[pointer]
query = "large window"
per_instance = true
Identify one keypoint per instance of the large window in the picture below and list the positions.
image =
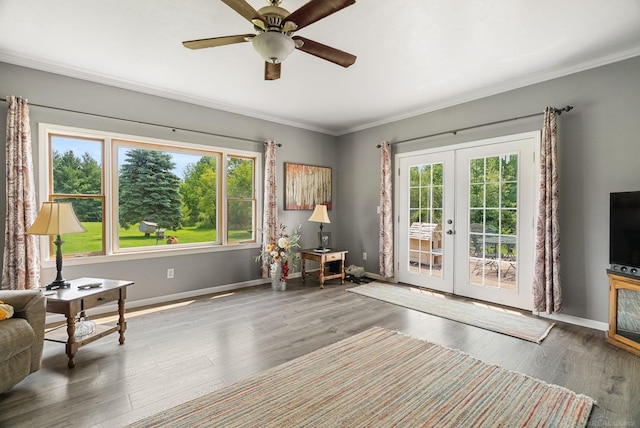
(141, 196)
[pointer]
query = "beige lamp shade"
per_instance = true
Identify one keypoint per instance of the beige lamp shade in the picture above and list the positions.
(320, 214)
(56, 218)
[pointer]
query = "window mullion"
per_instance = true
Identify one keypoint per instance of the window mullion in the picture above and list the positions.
(223, 202)
(110, 173)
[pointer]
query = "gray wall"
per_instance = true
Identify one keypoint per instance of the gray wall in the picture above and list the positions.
(192, 272)
(599, 153)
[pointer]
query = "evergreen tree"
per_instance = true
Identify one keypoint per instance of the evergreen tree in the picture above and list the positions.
(66, 173)
(149, 191)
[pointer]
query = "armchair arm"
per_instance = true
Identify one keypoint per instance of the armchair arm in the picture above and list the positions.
(30, 305)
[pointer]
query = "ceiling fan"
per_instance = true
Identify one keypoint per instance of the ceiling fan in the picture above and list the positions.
(275, 26)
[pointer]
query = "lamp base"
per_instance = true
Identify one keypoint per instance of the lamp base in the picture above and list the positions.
(55, 285)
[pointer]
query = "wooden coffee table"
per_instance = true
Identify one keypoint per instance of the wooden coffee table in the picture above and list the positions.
(72, 302)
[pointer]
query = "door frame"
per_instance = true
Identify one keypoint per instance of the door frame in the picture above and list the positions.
(535, 135)
(521, 296)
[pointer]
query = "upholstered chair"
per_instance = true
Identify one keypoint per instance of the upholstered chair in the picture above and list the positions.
(21, 336)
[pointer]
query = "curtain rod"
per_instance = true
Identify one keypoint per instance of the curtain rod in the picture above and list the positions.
(559, 111)
(173, 128)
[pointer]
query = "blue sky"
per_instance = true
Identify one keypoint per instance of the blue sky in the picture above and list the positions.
(82, 146)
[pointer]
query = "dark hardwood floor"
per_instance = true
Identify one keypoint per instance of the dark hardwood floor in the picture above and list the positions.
(178, 352)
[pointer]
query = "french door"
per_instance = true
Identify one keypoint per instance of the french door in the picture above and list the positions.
(425, 224)
(466, 219)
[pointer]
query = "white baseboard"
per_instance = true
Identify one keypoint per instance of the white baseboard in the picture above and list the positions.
(113, 307)
(380, 277)
(570, 319)
(132, 304)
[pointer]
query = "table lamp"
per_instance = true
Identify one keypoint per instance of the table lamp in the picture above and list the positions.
(320, 216)
(55, 219)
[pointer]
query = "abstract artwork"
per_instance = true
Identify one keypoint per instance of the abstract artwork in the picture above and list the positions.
(306, 186)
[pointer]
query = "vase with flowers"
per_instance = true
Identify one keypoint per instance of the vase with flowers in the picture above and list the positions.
(278, 253)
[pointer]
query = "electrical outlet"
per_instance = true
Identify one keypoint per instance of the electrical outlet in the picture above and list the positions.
(170, 273)
(364, 256)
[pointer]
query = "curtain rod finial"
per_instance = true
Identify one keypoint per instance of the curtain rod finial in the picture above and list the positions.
(564, 109)
(268, 141)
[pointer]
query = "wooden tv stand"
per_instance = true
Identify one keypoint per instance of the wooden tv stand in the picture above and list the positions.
(624, 295)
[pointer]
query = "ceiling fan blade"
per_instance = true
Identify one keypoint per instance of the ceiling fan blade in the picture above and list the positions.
(217, 41)
(271, 71)
(247, 12)
(315, 10)
(328, 53)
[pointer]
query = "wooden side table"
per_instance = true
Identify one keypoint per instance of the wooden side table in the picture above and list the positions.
(73, 301)
(322, 258)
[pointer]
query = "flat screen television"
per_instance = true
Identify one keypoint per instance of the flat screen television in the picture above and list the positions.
(624, 232)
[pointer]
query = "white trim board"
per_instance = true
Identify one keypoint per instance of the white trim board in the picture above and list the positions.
(570, 319)
(113, 307)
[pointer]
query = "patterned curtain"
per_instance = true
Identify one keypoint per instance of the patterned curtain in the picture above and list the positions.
(547, 295)
(386, 213)
(20, 268)
(270, 215)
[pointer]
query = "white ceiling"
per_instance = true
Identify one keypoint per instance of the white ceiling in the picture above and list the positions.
(414, 56)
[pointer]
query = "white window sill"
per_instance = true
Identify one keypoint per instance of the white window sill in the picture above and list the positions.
(150, 254)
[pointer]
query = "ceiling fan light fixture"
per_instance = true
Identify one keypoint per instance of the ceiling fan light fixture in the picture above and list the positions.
(273, 46)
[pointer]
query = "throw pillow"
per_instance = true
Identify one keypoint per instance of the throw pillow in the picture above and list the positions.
(6, 311)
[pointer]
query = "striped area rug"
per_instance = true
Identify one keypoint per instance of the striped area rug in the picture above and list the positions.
(381, 378)
(478, 315)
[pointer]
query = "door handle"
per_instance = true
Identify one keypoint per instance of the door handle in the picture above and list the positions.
(450, 232)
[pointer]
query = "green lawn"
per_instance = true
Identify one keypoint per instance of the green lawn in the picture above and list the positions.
(91, 241)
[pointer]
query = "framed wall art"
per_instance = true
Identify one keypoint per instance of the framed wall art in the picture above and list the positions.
(306, 186)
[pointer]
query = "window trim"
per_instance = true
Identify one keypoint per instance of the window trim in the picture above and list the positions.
(117, 143)
(45, 183)
(53, 195)
(253, 199)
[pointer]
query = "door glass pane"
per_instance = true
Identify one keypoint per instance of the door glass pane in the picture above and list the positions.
(425, 219)
(493, 197)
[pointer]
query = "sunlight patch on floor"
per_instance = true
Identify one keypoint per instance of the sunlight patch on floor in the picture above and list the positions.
(419, 290)
(430, 293)
(498, 309)
(132, 313)
(219, 296)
